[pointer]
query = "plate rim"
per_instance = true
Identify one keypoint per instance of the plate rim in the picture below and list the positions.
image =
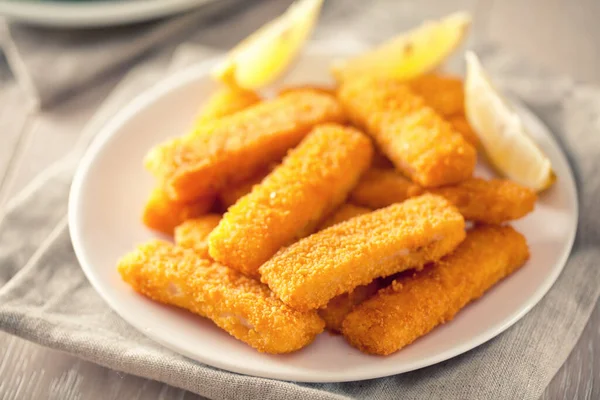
(94, 14)
(152, 94)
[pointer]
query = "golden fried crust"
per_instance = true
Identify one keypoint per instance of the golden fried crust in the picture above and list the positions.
(163, 214)
(310, 272)
(461, 125)
(336, 310)
(413, 306)
(381, 187)
(233, 148)
(343, 213)
(226, 101)
(330, 90)
(193, 233)
(444, 93)
(340, 306)
(243, 307)
(491, 201)
(416, 139)
(288, 204)
(231, 194)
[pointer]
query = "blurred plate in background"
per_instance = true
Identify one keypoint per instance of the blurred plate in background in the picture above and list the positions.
(81, 14)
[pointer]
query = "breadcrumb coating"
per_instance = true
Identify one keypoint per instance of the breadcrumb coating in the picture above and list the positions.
(343, 213)
(340, 306)
(461, 125)
(413, 306)
(416, 139)
(310, 272)
(233, 148)
(163, 214)
(288, 204)
(491, 201)
(243, 307)
(316, 88)
(379, 188)
(229, 195)
(225, 101)
(193, 233)
(336, 310)
(444, 93)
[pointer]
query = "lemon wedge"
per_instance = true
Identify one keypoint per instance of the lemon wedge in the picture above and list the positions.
(412, 53)
(264, 55)
(504, 139)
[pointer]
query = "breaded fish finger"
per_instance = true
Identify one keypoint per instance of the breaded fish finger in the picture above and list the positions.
(225, 101)
(336, 310)
(317, 88)
(491, 201)
(232, 193)
(444, 93)
(460, 124)
(379, 188)
(340, 306)
(310, 272)
(416, 139)
(163, 214)
(243, 307)
(233, 148)
(312, 180)
(411, 307)
(343, 213)
(193, 233)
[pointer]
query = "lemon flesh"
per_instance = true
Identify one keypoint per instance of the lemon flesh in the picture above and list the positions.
(263, 56)
(504, 139)
(410, 54)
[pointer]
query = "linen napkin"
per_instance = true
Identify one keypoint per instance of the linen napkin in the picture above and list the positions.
(47, 299)
(53, 63)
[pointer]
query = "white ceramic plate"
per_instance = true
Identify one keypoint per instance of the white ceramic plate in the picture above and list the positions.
(93, 13)
(111, 187)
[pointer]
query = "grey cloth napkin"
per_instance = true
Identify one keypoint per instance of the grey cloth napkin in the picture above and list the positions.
(54, 63)
(46, 298)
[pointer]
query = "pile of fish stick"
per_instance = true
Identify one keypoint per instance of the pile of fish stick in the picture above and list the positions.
(351, 209)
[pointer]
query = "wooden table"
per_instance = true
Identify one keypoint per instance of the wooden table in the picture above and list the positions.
(560, 34)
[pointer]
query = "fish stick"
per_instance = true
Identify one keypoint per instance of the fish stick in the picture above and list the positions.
(491, 201)
(226, 101)
(233, 148)
(193, 233)
(413, 306)
(411, 134)
(163, 214)
(343, 213)
(310, 272)
(460, 124)
(231, 194)
(243, 307)
(340, 306)
(336, 310)
(444, 93)
(379, 188)
(289, 203)
(317, 88)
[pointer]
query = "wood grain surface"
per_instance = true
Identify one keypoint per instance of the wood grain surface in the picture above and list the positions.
(562, 35)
